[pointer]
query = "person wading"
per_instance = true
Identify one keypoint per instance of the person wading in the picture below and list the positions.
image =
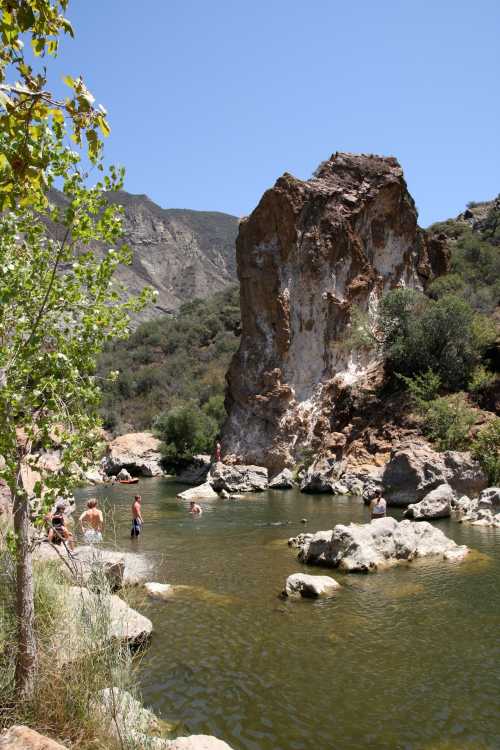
(137, 520)
(92, 522)
(378, 505)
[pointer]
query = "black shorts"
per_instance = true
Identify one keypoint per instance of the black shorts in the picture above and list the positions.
(136, 527)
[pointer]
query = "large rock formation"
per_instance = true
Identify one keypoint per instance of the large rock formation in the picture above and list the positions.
(137, 452)
(308, 253)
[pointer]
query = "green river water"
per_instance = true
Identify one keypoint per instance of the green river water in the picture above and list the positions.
(407, 659)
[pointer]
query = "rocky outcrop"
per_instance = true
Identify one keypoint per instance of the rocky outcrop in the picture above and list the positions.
(239, 478)
(309, 252)
(322, 477)
(23, 738)
(137, 452)
(414, 469)
(482, 511)
(436, 504)
(197, 471)
(203, 492)
(368, 547)
(282, 481)
(310, 587)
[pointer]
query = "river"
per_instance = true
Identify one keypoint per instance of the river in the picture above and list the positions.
(407, 659)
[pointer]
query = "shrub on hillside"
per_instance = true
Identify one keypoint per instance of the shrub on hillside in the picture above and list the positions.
(447, 421)
(419, 334)
(486, 449)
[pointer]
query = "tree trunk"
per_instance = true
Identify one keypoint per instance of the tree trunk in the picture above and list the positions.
(26, 658)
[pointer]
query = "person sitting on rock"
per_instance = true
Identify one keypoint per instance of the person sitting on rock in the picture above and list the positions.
(58, 532)
(378, 505)
(195, 509)
(91, 522)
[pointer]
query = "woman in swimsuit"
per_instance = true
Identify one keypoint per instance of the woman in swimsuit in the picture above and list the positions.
(378, 505)
(58, 532)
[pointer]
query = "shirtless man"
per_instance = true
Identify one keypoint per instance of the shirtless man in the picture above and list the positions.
(92, 522)
(195, 509)
(137, 520)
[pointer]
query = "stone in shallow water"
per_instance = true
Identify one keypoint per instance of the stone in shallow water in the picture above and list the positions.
(377, 545)
(436, 504)
(202, 492)
(159, 590)
(310, 587)
(239, 478)
(282, 481)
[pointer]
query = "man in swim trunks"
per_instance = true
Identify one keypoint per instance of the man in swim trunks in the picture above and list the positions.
(137, 520)
(91, 523)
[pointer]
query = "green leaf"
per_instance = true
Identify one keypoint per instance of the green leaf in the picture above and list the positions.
(38, 46)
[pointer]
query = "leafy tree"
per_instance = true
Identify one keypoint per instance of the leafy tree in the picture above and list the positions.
(29, 112)
(447, 421)
(58, 301)
(185, 431)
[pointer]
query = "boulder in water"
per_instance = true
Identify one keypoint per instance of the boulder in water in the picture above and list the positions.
(282, 481)
(308, 586)
(436, 504)
(159, 590)
(374, 546)
(137, 452)
(203, 492)
(239, 478)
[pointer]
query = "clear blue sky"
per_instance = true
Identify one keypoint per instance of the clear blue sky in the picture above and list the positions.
(211, 100)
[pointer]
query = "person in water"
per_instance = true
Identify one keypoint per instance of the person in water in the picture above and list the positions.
(195, 509)
(92, 522)
(137, 520)
(58, 532)
(378, 505)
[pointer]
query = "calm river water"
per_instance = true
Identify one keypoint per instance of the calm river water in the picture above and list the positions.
(408, 659)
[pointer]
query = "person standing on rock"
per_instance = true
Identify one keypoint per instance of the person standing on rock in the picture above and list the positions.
(92, 522)
(137, 520)
(218, 452)
(378, 505)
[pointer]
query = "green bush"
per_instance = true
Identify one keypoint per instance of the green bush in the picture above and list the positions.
(447, 421)
(420, 334)
(184, 431)
(486, 449)
(423, 388)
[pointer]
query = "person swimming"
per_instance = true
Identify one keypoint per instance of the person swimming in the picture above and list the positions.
(195, 509)
(378, 505)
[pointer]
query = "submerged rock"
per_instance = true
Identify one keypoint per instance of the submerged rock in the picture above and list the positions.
(196, 742)
(20, 737)
(137, 452)
(159, 590)
(307, 586)
(239, 478)
(414, 469)
(203, 492)
(282, 481)
(436, 504)
(377, 545)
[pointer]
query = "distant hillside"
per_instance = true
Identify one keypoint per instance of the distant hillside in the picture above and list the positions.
(474, 237)
(183, 254)
(171, 361)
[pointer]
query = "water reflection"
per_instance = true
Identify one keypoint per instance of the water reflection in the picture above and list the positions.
(404, 659)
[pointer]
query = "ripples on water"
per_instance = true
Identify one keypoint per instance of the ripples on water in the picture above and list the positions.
(407, 659)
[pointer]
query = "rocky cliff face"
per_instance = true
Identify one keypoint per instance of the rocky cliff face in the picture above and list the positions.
(181, 253)
(308, 253)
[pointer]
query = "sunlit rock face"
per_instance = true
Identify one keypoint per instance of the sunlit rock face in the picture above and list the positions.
(309, 252)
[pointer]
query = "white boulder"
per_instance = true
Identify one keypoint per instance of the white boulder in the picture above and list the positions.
(159, 590)
(137, 452)
(377, 545)
(239, 478)
(436, 504)
(308, 586)
(282, 481)
(202, 492)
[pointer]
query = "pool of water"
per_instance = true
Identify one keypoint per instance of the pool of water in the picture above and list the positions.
(407, 659)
